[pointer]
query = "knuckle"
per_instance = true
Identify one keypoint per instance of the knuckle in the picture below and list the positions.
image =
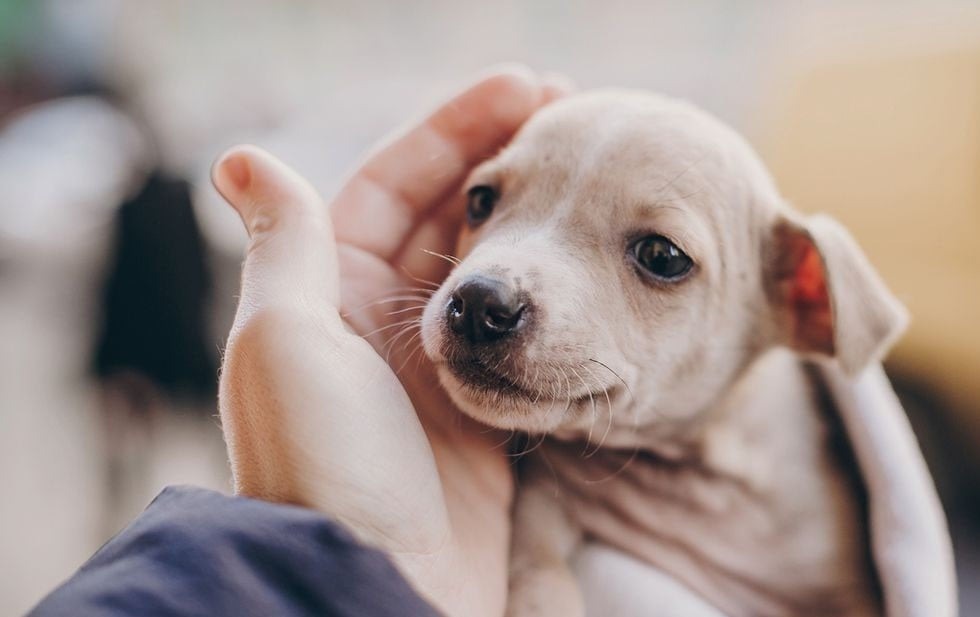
(265, 220)
(293, 219)
(263, 225)
(299, 213)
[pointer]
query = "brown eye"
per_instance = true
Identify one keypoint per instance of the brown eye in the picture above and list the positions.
(661, 257)
(479, 207)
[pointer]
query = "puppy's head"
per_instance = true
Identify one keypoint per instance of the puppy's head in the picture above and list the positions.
(624, 258)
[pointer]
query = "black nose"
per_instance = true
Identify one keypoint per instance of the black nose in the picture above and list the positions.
(484, 310)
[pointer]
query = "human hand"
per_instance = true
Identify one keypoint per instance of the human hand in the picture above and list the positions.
(312, 412)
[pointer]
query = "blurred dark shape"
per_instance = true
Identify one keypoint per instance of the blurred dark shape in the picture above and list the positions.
(156, 293)
(945, 446)
(18, 90)
(20, 82)
(947, 449)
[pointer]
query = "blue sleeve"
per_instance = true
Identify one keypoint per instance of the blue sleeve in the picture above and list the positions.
(197, 552)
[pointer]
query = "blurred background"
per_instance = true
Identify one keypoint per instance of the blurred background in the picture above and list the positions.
(119, 263)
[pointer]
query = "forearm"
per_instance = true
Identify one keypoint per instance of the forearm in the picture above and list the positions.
(197, 552)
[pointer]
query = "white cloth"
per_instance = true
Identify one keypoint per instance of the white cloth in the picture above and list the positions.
(909, 538)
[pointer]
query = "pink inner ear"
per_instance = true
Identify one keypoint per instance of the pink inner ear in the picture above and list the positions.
(810, 304)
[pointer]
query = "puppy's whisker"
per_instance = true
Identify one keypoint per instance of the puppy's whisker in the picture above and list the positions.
(557, 385)
(432, 284)
(424, 290)
(418, 352)
(609, 418)
(388, 299)
(537, 373)
(389, 326)
(554, 399)
(615, 374)
(588, 389)
(506, 440)
(404, 290)
(405, 347)
(487, 429)
(619, 470)
(392, 355)
(680, 197)
(421, 358)
(609, 422)
(595, 413)
(518, 453)
(568, 392)
(540, 441)
(414, 307)
(455, 261)
(390, 345)
(683, 172)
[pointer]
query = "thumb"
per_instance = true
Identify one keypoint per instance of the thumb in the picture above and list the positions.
(292, 255)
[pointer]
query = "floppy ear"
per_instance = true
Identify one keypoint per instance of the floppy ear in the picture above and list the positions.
(826, 296)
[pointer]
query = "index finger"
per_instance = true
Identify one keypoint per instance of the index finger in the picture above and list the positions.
(399, 184)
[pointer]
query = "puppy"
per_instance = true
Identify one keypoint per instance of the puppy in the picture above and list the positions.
(635, 296)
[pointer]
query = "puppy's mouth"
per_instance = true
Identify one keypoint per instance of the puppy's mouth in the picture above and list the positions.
(478, 375)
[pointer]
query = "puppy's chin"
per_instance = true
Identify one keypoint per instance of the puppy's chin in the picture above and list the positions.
(499, 404)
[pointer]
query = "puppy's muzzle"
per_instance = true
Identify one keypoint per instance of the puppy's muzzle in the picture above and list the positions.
(484, 310)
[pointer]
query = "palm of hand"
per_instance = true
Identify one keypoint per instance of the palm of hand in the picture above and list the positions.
(382, 302)
(311, 412)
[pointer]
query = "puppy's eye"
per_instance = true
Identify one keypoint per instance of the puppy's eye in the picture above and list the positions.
(661, 257)
(481, 200)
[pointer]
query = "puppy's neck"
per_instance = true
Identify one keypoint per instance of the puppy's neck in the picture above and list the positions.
(756, 510)
(771, 427)
(771, 404)
(775, 412)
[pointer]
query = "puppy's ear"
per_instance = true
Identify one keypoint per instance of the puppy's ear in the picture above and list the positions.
(826, 295)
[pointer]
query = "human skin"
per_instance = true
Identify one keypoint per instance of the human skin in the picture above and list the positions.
(313, 413)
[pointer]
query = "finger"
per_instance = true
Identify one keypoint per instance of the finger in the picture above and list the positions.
(437, 233)
(381, 204)
(291, 257)
(431, 248)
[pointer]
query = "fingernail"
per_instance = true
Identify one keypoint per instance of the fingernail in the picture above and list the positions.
(237, 170)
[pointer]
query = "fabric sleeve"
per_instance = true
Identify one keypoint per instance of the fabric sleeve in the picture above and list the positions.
(198, 552)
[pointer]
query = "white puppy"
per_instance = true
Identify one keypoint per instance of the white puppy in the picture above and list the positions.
(630, 289)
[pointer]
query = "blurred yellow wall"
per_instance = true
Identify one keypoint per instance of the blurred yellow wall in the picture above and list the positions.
(886, 137)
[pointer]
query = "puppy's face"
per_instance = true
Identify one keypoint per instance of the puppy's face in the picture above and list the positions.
(612, 272)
